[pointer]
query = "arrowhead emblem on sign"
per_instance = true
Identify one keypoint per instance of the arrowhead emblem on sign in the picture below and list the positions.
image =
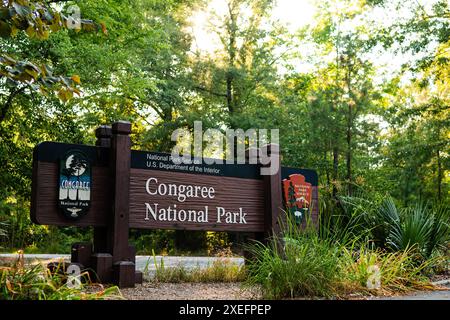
(297, 196)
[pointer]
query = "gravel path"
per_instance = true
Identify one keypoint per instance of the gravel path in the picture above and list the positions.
(190, 291)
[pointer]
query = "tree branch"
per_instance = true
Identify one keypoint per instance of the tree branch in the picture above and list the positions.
(210, 91)
(5, 107)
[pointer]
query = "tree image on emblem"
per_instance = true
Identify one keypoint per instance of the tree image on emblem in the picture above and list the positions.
(77, 166)
(292, 204)
(67, 172)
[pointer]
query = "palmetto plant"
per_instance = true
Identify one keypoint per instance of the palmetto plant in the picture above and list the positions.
(425, 227)
(422, 226)
(440, 231)
(414, 228)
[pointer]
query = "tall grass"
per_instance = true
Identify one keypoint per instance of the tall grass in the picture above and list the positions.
(221, 270)
(218, 271)
(308, 267)
(317, 263)
(398, 271)
(36, 282)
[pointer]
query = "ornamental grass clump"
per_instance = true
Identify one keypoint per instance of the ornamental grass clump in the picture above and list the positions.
(222, 270)
(379, 272)
(308, 267)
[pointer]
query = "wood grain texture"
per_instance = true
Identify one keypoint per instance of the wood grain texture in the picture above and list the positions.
(44, 209)
(118, 225)
(230, 193)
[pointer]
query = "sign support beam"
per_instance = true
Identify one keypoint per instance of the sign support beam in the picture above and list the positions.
(103, 134)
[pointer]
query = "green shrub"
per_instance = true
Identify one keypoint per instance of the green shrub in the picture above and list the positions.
(147, 241)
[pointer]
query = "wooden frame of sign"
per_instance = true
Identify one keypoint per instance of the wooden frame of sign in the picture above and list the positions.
(113, 188)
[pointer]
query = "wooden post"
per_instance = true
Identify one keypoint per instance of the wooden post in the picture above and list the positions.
(118, 224)
(81, 252)
(103, 134)
(273, 196)
(252, 236)
(117, 242)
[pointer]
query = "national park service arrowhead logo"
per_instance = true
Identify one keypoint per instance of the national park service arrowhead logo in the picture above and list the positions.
(75, 184)
(297, 196)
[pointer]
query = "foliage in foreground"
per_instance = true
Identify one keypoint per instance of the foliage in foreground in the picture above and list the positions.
(222, 270)
(36, 282)
(316, 266)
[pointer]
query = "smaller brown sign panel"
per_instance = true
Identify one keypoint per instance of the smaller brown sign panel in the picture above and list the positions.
(174, 200)
(46, 185)
(44, 208)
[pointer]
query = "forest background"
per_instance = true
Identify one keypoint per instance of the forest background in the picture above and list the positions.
(359, 89)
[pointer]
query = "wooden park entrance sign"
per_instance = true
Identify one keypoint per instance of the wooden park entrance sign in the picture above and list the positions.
(113, 188)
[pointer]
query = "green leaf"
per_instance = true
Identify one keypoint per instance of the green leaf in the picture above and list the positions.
(76, 79)
(21, 10)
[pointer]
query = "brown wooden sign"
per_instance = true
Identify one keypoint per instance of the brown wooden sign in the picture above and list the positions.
(163, 198)
(175, 200)
(113, 188)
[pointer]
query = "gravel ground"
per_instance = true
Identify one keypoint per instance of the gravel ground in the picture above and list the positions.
(190, 291)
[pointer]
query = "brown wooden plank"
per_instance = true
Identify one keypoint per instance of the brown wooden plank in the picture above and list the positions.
(245, 193)
(230, 193)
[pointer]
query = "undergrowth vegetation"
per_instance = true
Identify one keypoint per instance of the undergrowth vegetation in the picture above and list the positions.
(222, 270)
(372, 248)
(36, 282)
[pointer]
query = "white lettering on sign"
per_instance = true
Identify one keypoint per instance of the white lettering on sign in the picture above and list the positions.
(231, 217)
(171, 213)
(182, 192)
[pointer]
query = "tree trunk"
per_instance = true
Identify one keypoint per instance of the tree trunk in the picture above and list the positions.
(335, 170)
(230, 93)
(7, 105)
(439, 175)
(232, 28)
(349, 151)
(327, 171)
